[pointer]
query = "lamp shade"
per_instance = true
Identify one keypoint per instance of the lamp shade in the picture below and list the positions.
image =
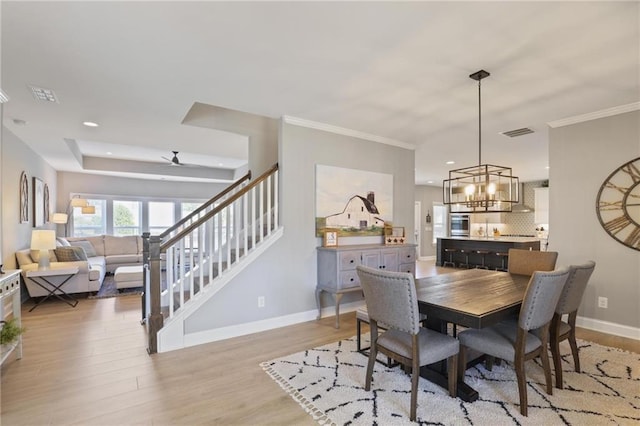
(43, 240)
(59, 218)
(89, 210)
(79, 202)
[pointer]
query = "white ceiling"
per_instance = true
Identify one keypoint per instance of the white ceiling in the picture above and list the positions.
(390, 69)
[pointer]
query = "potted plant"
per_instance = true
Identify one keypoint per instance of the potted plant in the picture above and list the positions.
(9, 334)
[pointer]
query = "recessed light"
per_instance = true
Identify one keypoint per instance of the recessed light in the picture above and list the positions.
(547, 167)
(451, 162)
(429, 181)
(90, 124)
(109, 153)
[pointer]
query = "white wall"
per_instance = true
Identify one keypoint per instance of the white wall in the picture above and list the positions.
(581, 157)
(286, 274)
(427, 195)
(18, 157)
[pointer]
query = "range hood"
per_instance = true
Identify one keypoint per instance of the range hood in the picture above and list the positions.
(521, 207)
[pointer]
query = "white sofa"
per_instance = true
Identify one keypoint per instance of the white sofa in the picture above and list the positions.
(108, 254)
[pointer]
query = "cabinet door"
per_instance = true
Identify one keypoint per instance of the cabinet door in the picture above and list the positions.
(371, 258)
(389, 260)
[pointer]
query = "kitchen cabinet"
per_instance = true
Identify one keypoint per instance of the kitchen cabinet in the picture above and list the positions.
(337, 273)
(541, 213)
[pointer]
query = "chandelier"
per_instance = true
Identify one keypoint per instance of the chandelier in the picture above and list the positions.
(482, 188)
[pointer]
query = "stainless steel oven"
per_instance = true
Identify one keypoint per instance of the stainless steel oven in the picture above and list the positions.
(459, 225)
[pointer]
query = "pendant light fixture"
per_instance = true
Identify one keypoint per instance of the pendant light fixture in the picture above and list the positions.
(483, 188)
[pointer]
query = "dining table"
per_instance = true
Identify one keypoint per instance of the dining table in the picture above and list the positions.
(472, 298)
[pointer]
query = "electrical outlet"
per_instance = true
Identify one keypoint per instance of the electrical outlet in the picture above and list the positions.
(603, 302)
(260, 301)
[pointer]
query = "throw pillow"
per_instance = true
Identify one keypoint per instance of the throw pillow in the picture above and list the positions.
(86, 245)
(70, 254)
(62, 242)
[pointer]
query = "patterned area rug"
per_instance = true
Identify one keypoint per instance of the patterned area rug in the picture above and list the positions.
(109, 289)
(328, 382)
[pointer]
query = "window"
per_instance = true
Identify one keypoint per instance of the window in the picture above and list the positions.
(161, 216)
(439, 222)
(122, 215)
(126, 218)
(86, 225)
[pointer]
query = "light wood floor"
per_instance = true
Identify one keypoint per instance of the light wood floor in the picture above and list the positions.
(88, 365)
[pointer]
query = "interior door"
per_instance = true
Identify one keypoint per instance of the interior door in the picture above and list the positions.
(417, 227)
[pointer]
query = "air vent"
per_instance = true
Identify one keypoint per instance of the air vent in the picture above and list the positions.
(42, 94)
(517, 132)
(3, 97)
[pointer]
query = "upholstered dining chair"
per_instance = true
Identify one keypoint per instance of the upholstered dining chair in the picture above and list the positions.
(391, 300)
(568, 305)
(512, 340)
(525, 262)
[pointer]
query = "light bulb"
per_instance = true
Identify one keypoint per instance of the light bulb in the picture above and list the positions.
(469, 189)
(491, 188)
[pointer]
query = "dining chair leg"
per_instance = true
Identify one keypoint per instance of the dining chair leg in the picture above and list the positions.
(452, 365)
(488, 362)
(572, 341)
(522, 383)
(373, 354)
(554, 343)
(415, 375)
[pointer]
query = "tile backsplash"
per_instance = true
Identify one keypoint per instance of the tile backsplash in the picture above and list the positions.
(518, 223)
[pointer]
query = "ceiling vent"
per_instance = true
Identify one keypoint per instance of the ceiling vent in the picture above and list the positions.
(517, 132)
(42, 94)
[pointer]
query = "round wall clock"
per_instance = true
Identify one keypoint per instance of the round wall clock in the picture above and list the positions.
(618, 204)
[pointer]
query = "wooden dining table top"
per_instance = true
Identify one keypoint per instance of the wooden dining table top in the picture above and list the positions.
(474, 298)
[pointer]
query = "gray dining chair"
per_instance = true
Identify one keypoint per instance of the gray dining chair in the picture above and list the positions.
(525, 262)
(391, 300)
(512, 340)
(568, 305)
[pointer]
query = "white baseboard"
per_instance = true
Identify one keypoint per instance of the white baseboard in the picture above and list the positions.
(609, 327)
(208, 336)
(427, 258)
(223, 333)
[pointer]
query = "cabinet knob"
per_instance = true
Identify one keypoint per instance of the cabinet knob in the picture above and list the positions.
(351, 261)
(351, 280)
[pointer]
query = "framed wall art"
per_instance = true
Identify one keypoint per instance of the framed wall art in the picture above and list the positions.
(38, 202)
(46, 203)
(24, 198)
(355, 202)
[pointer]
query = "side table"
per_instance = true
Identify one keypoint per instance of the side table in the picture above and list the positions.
(44, 279)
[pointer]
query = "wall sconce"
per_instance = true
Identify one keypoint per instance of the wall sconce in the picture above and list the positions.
(428, 218)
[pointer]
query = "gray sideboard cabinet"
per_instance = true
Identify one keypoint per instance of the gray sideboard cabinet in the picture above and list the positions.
(337, 267)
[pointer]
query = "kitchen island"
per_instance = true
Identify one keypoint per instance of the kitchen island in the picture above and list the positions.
(490, 245)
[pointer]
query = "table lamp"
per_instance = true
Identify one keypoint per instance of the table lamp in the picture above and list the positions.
(43, 240)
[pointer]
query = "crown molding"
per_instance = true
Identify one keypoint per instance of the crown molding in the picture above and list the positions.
(346, 132)
(635, 106)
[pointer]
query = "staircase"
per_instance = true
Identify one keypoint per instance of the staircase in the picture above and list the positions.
(195, 258)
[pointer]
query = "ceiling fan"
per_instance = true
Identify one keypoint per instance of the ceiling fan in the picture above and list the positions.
(176, 162)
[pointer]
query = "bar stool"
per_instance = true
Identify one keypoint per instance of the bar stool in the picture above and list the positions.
(503, 257)
(466, 259)
(450, 262)
(482, 253)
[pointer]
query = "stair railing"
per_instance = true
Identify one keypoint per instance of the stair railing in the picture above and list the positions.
(182, 263)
